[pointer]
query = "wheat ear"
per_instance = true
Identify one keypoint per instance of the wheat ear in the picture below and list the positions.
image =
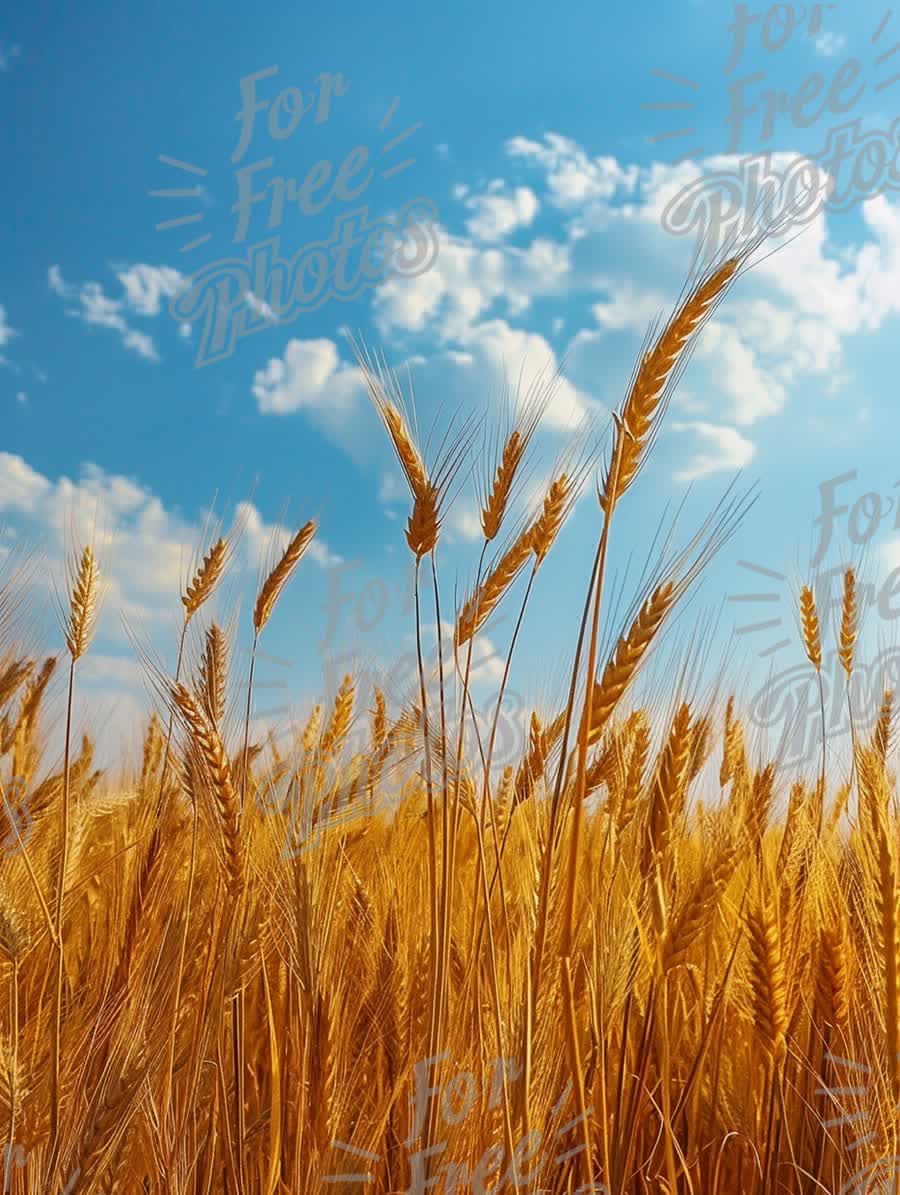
(849, 616)
(209, 744)
(477, 609)
(630, 650)
(212, 682)
(809, 620)
(281, 574)
(204, 581)
(655, 370)
(767, 979)
(83, 605)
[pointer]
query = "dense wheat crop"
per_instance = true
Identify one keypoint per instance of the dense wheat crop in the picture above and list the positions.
(249, 967)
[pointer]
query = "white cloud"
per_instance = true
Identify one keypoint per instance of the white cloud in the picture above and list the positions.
(143, 289)
(496, 349)
(722, 449)
(8, 55)
(630, 308)
(145, 550)
(465, 522)
(146, 553)
(310, 376)
(752, 390)
(6, 332)
(575, 180)
(500, 211)
(785, 324)
(146, 286)
(392, 488)
(829, 45)
(258, 307)
(467, 280)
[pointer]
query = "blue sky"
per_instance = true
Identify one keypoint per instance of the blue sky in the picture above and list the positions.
(529, 135)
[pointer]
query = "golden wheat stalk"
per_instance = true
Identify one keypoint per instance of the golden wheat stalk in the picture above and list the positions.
(82, 615)
(310, 735)
(341, 716)
(209, 745)
(768, 979)
(202, 585)
(849, 617)
(626, 659)
(698, 907)
(498, 490)
(886, 899)
(495, 504)
(550, 520)
(667, 796)
(655, 370)
(809, 620)
(213, 680)
(881, 739)
(281, 574)
(478, 608)
(407, 453)
(834, 983)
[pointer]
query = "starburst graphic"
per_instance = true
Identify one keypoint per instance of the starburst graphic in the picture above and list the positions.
(881, 1177)
(361, 1177)
(685, 86)
(389, 169)
(398, 140)
(196, 192)
(675, 106)
(882, 58)
(773, 646)
(855, 1083)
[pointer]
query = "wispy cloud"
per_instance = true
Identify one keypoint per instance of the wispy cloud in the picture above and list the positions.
(6, 332)
(8, 54)
(829, 45)
(721, 450)
(143, 289)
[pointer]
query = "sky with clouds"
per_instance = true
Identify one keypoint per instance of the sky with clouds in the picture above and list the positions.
(158, 155)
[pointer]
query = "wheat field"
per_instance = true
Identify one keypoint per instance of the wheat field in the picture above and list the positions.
(239, 966)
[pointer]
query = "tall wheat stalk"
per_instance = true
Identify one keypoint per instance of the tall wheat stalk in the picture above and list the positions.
(84, 580)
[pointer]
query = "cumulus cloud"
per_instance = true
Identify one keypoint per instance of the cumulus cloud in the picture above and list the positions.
(574, 179)
(467, 281)
(145, 548)
(309, 376)
(499, 211)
